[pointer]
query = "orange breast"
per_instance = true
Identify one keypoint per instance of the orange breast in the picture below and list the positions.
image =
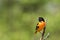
(41, 25)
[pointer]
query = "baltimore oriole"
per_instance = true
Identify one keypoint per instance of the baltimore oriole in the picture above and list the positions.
(41, 25)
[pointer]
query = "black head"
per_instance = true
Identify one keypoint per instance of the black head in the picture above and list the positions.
(41, 19)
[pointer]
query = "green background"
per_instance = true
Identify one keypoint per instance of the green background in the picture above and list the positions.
(18, 19)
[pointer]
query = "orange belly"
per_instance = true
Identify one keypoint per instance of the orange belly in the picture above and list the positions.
(41, 26)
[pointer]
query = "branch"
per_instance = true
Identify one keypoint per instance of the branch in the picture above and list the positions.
(45, 37)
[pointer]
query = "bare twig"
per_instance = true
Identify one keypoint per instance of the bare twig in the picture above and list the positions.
(45, 37)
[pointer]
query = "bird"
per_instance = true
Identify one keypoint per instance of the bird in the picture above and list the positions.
(41, 25)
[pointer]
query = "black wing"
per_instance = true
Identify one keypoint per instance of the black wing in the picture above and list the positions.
(37, 26)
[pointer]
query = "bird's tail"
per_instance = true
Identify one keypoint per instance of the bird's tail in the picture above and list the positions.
(35, 32)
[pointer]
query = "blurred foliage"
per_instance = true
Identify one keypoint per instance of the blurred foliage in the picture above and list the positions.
(18, 18)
